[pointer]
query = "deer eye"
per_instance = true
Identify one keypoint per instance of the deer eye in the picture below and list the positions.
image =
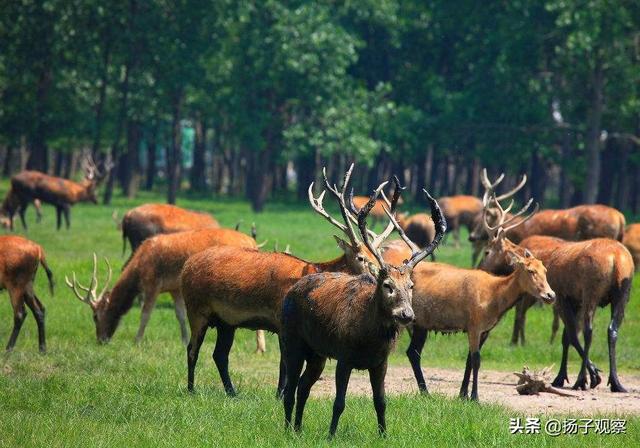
(388, 287)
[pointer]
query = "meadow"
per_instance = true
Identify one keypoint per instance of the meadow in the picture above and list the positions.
(122, 394)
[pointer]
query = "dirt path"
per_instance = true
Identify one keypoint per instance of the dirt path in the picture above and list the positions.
(499, 387)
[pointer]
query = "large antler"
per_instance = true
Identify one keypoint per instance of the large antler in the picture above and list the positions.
(91, 296)
(316, 203)
(504, 223)
(490, 187)
(362, 224)
(440, 223)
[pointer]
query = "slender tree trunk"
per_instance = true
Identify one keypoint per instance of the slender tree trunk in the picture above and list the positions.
(622, 196)
(594, 128)
(305, 170)
(421, 179)
(174, 151)
(38, 151)
(102, 96)
(58, 162)
(152, 147)
(565, 182)
(198, 174)
(130, 159)
(609, 157)
(8, 160)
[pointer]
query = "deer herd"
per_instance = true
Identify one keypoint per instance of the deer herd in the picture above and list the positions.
(354, 307)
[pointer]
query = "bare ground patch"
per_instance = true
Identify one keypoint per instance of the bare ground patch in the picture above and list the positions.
(499, 387)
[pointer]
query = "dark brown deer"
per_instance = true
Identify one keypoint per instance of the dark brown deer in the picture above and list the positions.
(419, 228)
(19, 261)
(353, 319)
(229, 288)
(149, 220)
(153, 269)
(10, 207)
(584, 275)
(61, 193)
(449, 299)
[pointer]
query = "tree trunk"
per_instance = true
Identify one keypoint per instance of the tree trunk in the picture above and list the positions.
(174, 151)
(538, 177)
(131, 165)
(421, 181)
(152, 146)
(8, 160)
(102, 96)
(594, 128)
(565, 181)
(38, 151)
(198, 170)
(57, 163)
(622, 196)
(306, 173)
(259, 177)
(608, 163)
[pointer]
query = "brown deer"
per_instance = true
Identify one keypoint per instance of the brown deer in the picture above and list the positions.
(10, 206)
(229, 288)
(419, 228)
(631, 241)
(149, 220)
(153, 269)
(460, 210)
(377, 212)
(451, 299)
(353, 319)
(19, 260)
(27, 186)
(584, 275)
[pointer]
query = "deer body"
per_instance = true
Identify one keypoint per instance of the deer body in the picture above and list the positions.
(149, 220)
(585, 275)
(460, 210)
(632, 242)
(154, 269)
(450, 299)
(19, 261)
(419, 228)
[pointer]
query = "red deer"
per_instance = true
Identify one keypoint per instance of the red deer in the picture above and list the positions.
(19, 260)
(632, 242)
(451, 299)
(419, 228)
(149, 220)
(61, 193)
(353, 319)
(153, 269)
(10, 206)
(229, 288)
(377, 213)
(459, 210)
(584, 275)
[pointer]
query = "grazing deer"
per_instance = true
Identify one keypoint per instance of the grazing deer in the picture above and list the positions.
(149, 220)
(27, 186)
(153, 269)
(353, 319)
(584, 275)
(229, 288)
(19, 260)
(632, 242)
(459, 210)
(451, 299)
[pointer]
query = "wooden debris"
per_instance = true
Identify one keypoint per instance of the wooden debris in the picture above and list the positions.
(532, 383)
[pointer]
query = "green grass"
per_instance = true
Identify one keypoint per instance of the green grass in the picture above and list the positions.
(122, 394)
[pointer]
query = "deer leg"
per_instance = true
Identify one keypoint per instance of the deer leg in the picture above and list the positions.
(464, 388)
(58, 217)
(562, 376)
(594, 377)
(617, 313)
(312, 372)
(38, 311)
(292, 353)
(475, 364)
(199, 328)
(181, 315)
(343, 373)
(517, 323)
(221, 355)
(282, 374)
(414, 352)
(554, 325)
(22, 212)
(65, 210)
(19, 314)
(376, 376)
(147, 307)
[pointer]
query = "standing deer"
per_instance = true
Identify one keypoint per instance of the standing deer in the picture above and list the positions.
(153, 269)
(19, 260)
(10, 206)
(584, 275)
(632, 242)
(27, 186)
(149, 220)
(451, 299)
(460, 210)
(353, 319)
(229, 288)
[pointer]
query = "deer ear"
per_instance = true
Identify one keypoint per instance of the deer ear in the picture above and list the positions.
(342, 244)
(527, 254)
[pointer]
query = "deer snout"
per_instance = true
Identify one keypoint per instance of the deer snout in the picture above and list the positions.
(405, 316)
(549, 297)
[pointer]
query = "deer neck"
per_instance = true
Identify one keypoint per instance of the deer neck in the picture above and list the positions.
(336, 265)
(124, 292)
(505, 292)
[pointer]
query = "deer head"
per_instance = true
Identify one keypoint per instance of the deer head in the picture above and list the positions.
(105, 327)
(395, 287)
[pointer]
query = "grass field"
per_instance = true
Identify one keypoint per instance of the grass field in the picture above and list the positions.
(122, 394)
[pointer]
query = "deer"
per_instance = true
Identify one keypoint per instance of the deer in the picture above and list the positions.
(27, 186)
(19, 262)
(377, 212)
(10, 206)
(419, 228)
(149, 220)
(584, 275)
(450, 299)
(354, 319)
(229, 288)
(631, 241)
(459, 210)
(153, 269)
